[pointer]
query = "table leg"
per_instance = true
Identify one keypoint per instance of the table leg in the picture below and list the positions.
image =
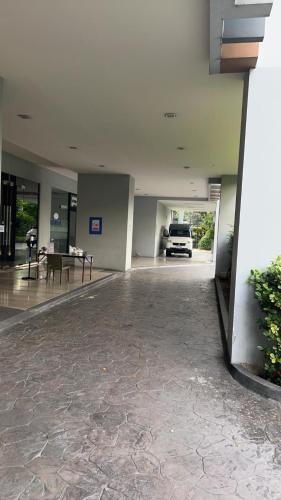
(37, 266)
(83, 270)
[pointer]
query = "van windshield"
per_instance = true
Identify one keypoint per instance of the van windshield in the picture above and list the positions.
(180, 232)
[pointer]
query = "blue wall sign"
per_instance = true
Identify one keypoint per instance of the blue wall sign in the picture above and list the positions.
(95, 225)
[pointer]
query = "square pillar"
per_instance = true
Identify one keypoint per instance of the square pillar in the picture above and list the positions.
(225, 223)
(44, 214)
(1, 128)
(145, 213)
(151, 217)
(110, 197)
(257, 238)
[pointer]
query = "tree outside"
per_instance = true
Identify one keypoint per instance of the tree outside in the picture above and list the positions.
(202, 227)
(26, 217)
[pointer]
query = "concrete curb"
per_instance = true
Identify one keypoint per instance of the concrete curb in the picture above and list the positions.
(49, 304)
(240, 373)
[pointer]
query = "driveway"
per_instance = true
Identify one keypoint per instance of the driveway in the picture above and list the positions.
(122, 393)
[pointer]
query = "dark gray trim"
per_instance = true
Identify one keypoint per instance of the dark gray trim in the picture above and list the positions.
(49, 304)
(255, 383)
(249, 380)
(243, 30)
(227, 9)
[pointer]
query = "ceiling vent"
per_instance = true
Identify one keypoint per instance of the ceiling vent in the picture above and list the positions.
(170, 115)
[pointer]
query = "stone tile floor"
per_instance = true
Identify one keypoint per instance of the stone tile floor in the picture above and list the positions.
(122, 393)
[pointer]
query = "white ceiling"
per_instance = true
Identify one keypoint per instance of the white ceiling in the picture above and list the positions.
(99, 74)
(192, 206)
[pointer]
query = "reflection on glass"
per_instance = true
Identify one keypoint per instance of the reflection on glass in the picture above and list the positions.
(59, 221)
(26, 216)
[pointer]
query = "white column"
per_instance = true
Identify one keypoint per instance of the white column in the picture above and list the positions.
(151, 217)
(163, 220)
(215, 243)
(225, 223)
(45, 214)
(181, 215)
(258, 210)
(145, 214)
(1, 127)
(110, 197)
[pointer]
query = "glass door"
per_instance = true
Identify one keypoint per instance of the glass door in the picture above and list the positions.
(8, 218)
(59, 221)
(72, 208)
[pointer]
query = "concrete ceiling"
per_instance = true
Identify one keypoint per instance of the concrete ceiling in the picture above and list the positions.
(100, 74)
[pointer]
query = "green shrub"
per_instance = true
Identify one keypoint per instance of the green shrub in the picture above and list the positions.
(206, 241)
(230, 242)
(268, 293)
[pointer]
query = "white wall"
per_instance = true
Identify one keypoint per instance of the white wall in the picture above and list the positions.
(225, 223)
(112, 198)
(150, 218)
(145, 214)
(163, 220)
(47, 180)
(129, 244)
(257, 223)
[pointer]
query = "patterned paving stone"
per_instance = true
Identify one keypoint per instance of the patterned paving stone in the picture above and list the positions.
(123, 394)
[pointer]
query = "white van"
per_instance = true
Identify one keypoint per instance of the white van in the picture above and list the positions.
(178, 239)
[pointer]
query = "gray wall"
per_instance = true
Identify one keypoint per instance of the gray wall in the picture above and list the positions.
(145, 214)
(112, 198)
(47, 180)
(225, 223)
(257, 223)
(150, 218)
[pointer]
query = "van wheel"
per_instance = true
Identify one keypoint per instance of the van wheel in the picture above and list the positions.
(168, 253)
(190, 255)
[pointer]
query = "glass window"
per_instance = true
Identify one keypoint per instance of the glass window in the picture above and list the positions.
(180, 232)
(27, 204)
(59, 220)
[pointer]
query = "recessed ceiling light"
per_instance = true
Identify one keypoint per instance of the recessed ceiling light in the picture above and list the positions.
(101, 166)
(180, 148)
(191, 182)
(73, 147)
(186, 167)
(170, 115)
(137, 189)
(24, 116)
(194, 190)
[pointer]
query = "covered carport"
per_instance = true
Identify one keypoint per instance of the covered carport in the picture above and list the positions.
(120, 391)
(153, 216)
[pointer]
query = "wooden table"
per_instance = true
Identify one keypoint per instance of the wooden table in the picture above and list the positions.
(83, 258)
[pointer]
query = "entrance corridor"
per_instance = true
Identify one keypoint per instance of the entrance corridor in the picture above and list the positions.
(175, 260)
(122, 393)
